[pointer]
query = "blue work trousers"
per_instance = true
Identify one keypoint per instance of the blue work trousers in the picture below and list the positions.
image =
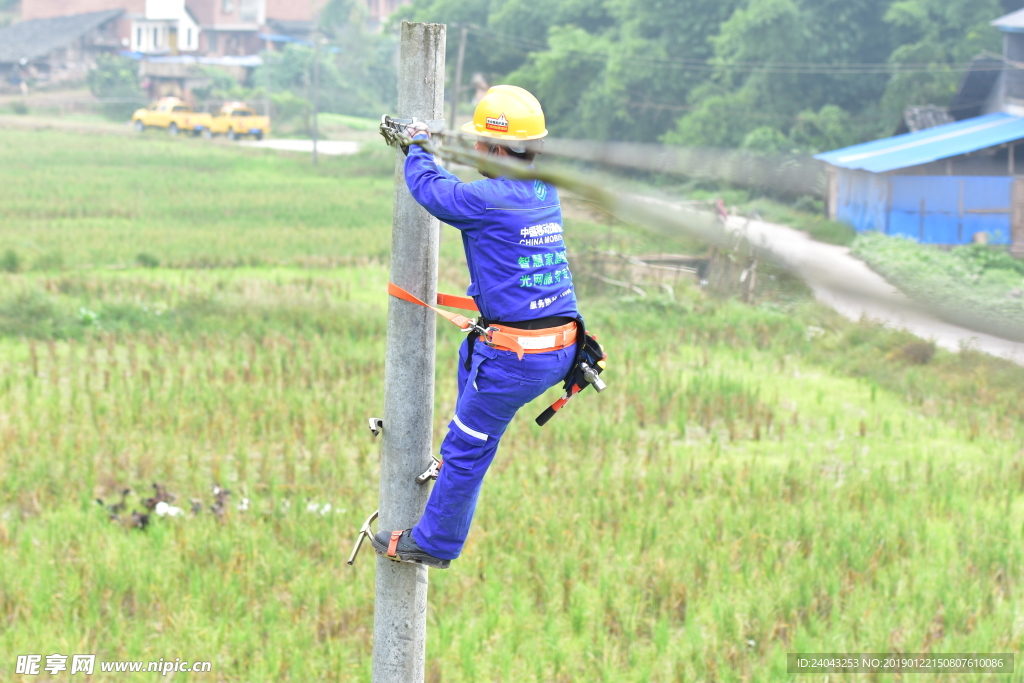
(496, 385)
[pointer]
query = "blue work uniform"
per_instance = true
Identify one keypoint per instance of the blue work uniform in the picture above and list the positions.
(512, 235)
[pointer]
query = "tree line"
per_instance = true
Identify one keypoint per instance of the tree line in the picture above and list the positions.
(771, 75)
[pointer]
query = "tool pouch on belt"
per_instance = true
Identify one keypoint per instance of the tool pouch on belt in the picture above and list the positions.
(589, 352)
(585, 371)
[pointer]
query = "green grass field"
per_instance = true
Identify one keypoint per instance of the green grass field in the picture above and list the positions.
(974, 285)
(757, 480)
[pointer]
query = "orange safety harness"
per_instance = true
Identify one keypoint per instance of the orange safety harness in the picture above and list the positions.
(498, 336)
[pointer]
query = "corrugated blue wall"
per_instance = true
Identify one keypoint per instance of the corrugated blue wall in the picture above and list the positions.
(930, 209)
(950, 209)
(862, 199)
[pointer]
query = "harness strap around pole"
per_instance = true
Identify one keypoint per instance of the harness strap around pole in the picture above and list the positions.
(494, 337)
(464, 303)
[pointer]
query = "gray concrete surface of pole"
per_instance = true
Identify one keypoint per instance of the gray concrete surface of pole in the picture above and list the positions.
(316, 96)
(400, 613)
(266, 79)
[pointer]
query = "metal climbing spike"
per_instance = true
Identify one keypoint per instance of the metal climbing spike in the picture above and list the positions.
(364, 533)
(431, 472)
(376, 425)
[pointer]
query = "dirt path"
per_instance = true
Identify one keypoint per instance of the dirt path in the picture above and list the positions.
(854, 290)
(851, 288)
(327, 147)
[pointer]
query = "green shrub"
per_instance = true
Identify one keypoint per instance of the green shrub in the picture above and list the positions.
(147, 260)
(767, 139)
(915, 352)
(10, 261)
(116, 78)
(19, 107)
(809, 204)
(986, 257)
(977, 286)
(32, 313)
(220, 85)
(287, 107)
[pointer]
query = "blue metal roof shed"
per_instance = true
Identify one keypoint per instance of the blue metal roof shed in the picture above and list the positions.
(931, 144)
(940, 185)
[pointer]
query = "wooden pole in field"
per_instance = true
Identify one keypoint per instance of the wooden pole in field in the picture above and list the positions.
(400, 614)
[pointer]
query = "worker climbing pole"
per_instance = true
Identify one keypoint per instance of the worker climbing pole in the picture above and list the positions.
(528, 335)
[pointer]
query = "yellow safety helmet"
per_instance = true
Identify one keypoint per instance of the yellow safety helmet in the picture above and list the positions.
(510, 114)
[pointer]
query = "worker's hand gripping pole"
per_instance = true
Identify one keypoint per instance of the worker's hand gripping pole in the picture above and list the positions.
(396, 131)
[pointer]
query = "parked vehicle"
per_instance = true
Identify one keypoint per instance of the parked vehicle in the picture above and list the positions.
(237, 119)
(171, 113)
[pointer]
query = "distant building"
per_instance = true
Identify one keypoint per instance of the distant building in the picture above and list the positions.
(230, 27)
(978, 92)
(294, 10)
(294, 18)
(947, 183)
(216, 27)
(48, 9)
(381, 10)
(167, 27)
(59, 48)
(1006, 92)
(921, 118)
(58, 39)
(300, 13)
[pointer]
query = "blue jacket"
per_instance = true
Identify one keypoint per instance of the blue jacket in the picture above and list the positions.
(512, 234)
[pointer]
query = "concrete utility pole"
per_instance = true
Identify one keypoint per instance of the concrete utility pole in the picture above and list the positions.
(457, 92)
(316, 96)
(266, 79)
(400, 616)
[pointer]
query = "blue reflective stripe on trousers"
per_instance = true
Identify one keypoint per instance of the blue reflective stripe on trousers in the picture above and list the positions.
(496, 386)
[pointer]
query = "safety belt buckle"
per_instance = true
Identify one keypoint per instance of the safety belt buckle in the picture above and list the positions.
(484, 333)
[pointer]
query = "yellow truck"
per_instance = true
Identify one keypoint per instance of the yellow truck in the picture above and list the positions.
(237, 119)
(171, 113)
